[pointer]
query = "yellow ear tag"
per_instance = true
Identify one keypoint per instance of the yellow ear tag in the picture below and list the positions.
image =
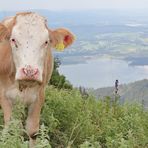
(60, 47)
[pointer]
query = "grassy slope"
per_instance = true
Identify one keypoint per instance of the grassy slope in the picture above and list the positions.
(132, 92)
(67, 120)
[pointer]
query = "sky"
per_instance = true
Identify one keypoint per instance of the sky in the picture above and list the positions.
(72, 4)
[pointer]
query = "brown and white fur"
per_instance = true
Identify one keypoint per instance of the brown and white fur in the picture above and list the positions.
(26, 40)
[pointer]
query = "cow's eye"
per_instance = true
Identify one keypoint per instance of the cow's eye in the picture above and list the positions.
(46, 42)
(14, 42)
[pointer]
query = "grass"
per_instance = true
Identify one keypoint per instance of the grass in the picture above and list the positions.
(70, 121)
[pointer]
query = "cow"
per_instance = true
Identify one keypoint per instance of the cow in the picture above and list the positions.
(26, 64)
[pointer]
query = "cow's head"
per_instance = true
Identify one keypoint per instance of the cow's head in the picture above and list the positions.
(30, 39)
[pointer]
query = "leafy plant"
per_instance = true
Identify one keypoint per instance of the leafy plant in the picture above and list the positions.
(58, 80)
(69, 121)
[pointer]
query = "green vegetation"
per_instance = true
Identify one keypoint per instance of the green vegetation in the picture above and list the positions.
(132, 92)
(58, 80)
(69, 121)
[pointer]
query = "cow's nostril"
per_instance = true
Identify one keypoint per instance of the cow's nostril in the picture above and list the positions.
(24, 70)
(36, 71)
(28, 71)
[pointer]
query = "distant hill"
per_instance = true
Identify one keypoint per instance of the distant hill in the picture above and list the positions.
(120, 35)
(132, 92)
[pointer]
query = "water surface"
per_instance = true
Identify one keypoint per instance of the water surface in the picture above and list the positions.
(103, 72)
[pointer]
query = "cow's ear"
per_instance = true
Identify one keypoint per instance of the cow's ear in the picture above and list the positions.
(61, 38)
(4, 33)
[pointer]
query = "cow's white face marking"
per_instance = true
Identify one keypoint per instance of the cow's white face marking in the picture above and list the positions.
(29, 41)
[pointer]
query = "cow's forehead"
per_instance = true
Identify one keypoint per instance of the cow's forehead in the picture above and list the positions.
(30, 24)
(30, 18)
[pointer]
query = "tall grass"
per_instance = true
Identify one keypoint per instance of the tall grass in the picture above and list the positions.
(70, 121)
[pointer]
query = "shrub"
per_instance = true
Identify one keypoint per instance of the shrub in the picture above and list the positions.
(74, 121)
(69, 121)
(57, 80)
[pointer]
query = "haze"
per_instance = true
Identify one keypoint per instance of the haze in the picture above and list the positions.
(72, 4)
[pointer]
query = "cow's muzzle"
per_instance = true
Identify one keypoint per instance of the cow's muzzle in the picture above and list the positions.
(29, 73)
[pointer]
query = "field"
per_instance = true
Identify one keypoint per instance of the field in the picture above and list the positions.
(69, 120)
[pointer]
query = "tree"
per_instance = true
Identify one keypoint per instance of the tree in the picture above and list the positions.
(58, 80)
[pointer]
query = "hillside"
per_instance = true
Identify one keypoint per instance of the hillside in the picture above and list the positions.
(132, 92)
(68, 121)
(121, 35)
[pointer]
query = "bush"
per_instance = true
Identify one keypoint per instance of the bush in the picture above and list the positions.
(57, 80)
(69, 121)
(14, 135)
(76, 122)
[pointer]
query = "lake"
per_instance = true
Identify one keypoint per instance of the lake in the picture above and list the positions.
(103, 72)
